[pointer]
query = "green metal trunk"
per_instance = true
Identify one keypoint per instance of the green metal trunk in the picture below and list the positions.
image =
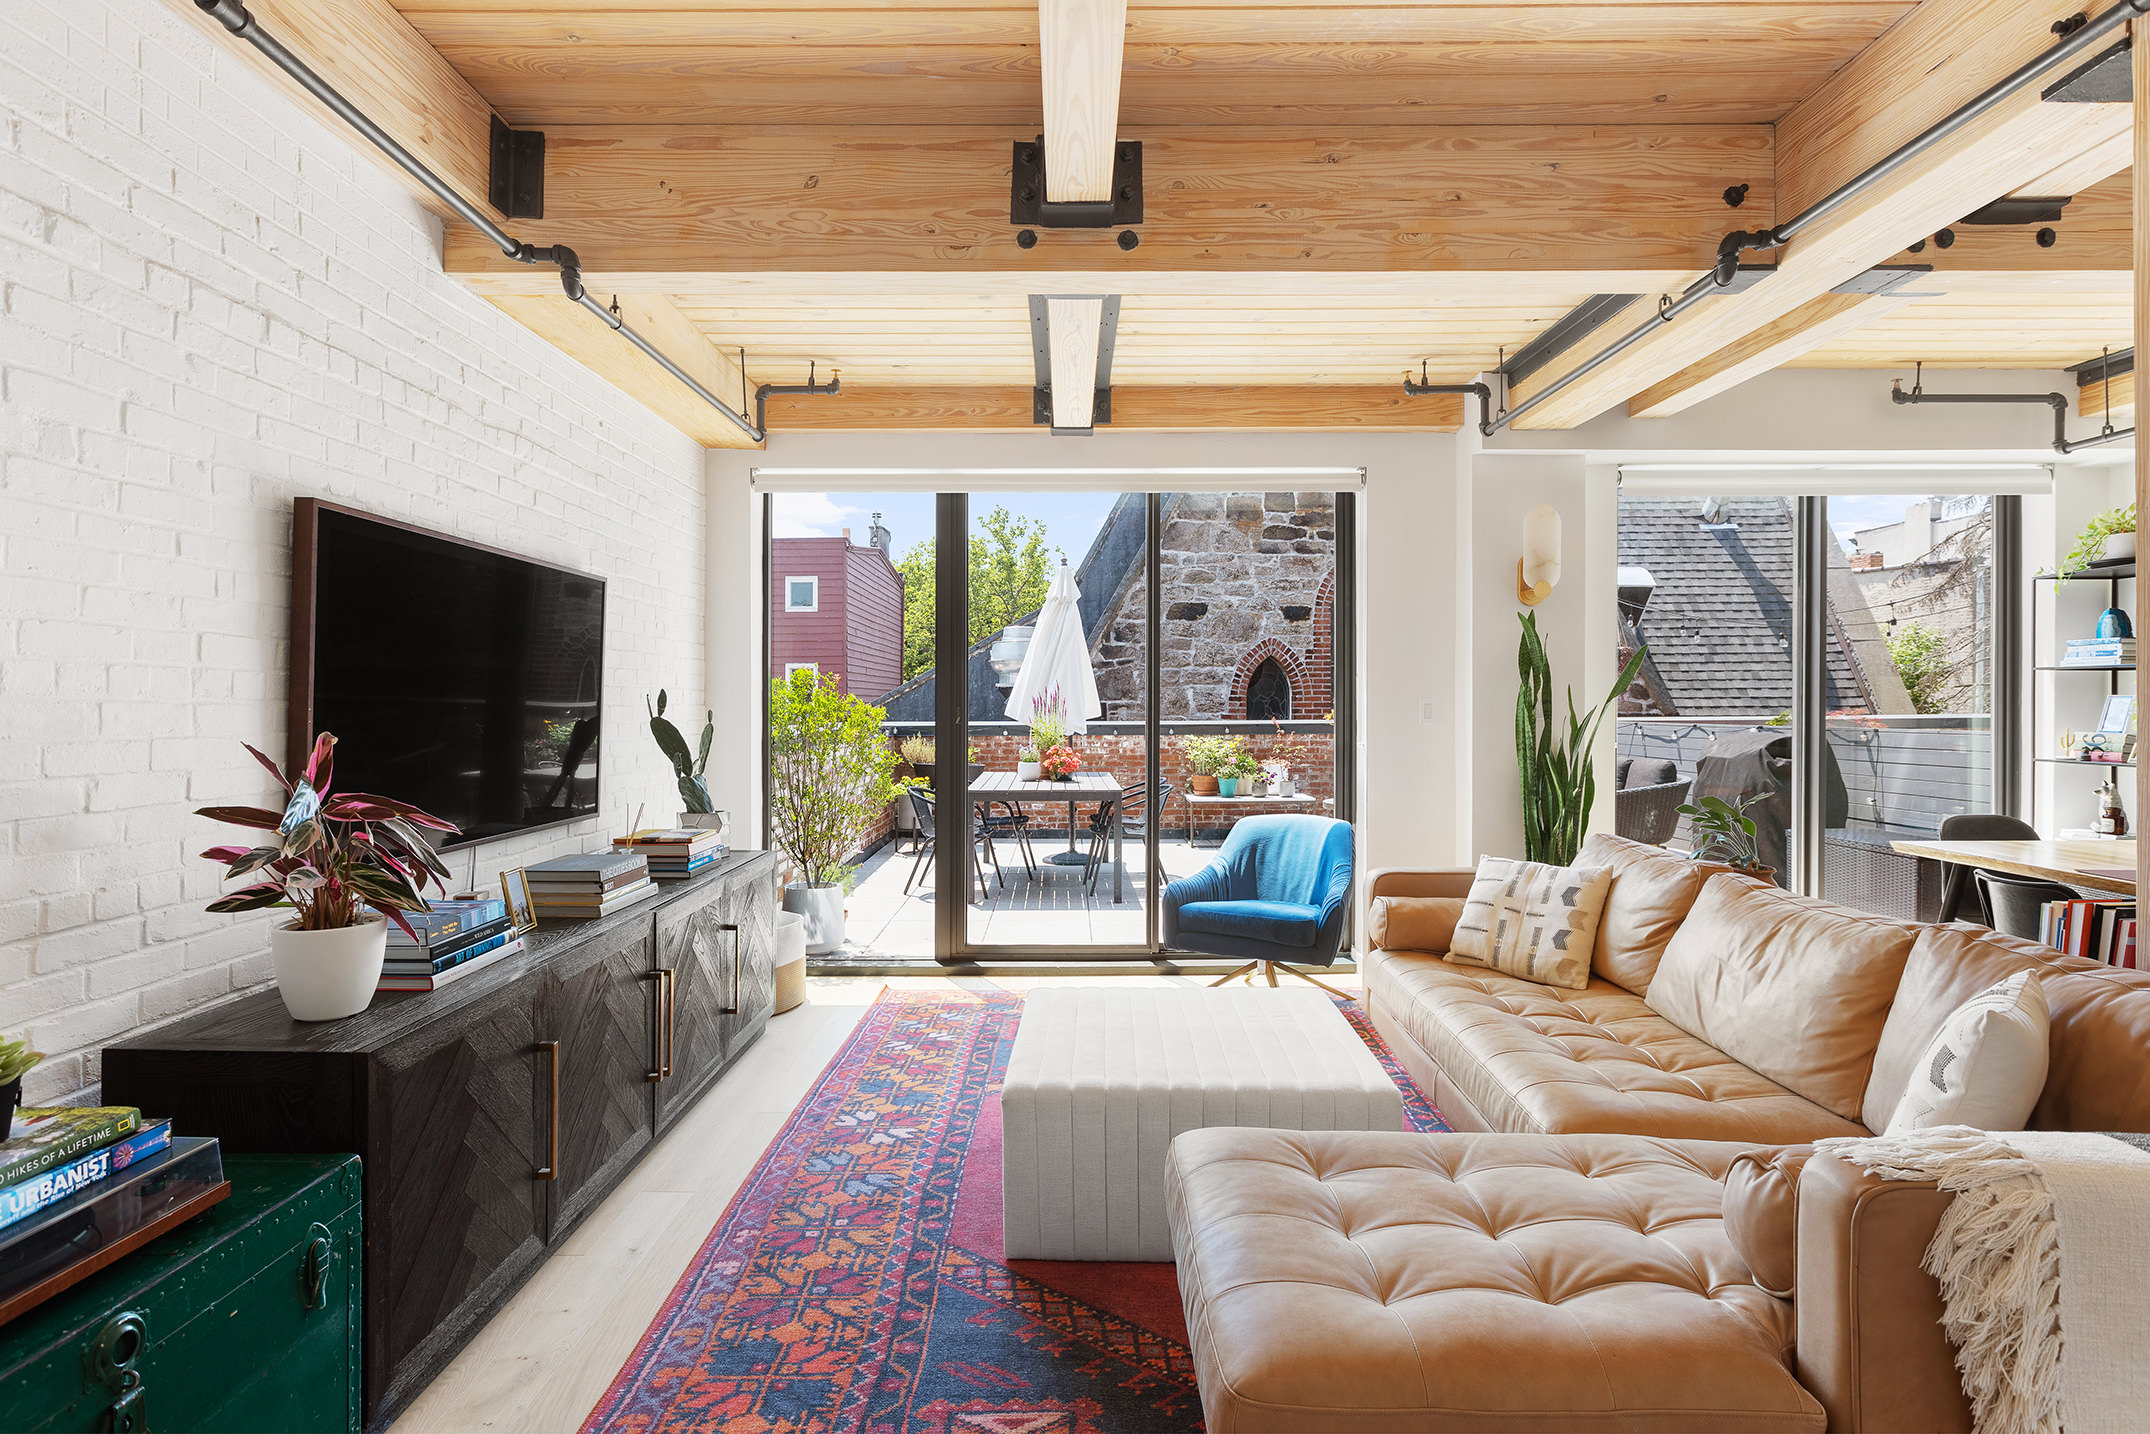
(245, 1319)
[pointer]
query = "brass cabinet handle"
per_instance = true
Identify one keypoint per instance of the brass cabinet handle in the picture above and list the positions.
(660, 1066)
(739, 965)
(551, 1170)
(671, 1018)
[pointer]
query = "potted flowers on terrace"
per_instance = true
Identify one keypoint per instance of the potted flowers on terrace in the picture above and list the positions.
(1208, 760)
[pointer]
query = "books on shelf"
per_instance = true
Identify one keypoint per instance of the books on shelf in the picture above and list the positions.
(2099, 652)
(47, 1137)
(478, 938)
(26, 1197)
(2102, 929)
(589, 908)
(673, 852)
(449, 921)
(431, 976)
(582, 888)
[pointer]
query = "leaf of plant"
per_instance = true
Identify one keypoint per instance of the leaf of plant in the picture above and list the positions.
(252, 898)
(243, 817)
(391, 808)
(321, 761)
(274, 770)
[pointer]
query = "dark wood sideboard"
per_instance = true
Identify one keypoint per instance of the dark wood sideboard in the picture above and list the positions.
(492, 1115)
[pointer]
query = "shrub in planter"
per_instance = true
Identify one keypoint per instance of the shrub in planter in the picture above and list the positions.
(832, 778)
(1209, 759)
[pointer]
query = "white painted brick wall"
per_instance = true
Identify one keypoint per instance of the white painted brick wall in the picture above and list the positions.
(210, 305)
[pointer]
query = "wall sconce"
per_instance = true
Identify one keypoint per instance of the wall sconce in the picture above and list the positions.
(1539, 567)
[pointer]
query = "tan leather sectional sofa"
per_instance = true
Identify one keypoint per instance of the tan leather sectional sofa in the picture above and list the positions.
(1628, 1232)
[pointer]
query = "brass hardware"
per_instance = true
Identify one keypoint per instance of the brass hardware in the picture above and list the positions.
(659, 1068)
(551, 1170)
(739, 964)
(671, 1018)
(313, 1270)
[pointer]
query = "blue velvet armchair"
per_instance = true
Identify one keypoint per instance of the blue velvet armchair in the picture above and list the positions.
(1275, 897)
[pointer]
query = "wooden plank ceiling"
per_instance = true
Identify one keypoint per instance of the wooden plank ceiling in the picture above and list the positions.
(1334, 192)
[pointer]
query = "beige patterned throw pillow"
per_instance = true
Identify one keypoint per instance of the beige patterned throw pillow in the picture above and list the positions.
(1527, 919)
(1986, 1066)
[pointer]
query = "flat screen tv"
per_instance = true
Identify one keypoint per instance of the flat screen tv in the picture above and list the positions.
(463, 679)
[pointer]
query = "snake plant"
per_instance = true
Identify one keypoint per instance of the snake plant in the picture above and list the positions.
(1559, 779)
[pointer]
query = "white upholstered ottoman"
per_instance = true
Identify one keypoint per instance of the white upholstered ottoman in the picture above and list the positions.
(1101, 1079)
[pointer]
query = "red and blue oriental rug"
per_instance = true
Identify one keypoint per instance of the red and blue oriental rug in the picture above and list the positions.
(856, 1284)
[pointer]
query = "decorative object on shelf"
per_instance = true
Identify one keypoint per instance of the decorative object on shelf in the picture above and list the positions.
(1539, 568)
(1558, 774)
(2113, 626)
(1060, 763)
(2112, 817)
(515, 888)
(689, 766)
(16, 1061)
(1208, 758)
(790, 960)
(832, 777)
(349, 863)
(2107, 538)
(1028, 764)
(1721, 830)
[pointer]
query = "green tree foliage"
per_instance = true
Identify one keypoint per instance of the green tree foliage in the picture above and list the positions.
(1922, 662)
(1010, 570)
(833, 769)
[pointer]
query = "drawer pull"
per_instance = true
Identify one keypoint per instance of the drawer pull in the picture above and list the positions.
(551, 1168)
(671, 1017)
(659, 1066)
(739, 966)
(313, 1270)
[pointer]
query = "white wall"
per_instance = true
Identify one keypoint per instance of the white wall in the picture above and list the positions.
(209, 304)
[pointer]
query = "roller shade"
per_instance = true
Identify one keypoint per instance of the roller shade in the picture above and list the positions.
(1054, 480)
(1694, 480)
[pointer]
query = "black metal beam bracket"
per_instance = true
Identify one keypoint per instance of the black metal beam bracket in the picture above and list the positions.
(515, 181)
(1027, 204)
(1041, 358)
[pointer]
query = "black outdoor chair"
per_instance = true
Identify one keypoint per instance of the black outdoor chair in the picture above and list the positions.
(1647, 798)
(1132, 811)
(1015, 823)
(981, 840)
(1957, 884)
(2018, 902)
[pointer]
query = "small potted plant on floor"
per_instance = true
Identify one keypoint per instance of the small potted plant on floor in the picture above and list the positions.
(348, 863)
(689, 767)
(1207, 759)
(16, 1061)
(1721, 830)
(832, 777)
(1027, 764)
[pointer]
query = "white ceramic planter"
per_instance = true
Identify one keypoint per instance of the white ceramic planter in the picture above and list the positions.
(327, 975)
(821, 910)
(790, 959)
(718, 822)
(1028, 771)
(2120, 545)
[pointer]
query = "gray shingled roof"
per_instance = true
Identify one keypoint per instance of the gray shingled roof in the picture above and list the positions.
(1719, 624)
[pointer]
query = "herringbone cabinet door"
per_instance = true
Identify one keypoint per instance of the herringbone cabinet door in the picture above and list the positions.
(603, 1009)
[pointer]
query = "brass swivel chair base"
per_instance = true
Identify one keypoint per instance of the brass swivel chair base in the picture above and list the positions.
(1270, 969)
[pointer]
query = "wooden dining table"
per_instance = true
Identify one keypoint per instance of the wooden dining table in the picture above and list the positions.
(1102, 788)
(2104, 865)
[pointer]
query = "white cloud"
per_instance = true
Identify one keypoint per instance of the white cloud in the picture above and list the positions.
(809, 515)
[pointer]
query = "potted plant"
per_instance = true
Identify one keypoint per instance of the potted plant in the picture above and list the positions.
(1207, 759)
(1027, 764)
(1558, 771)
(16, 1061)
(832, 777)
(689, 767)
(1243, 774)
(918, 752)
(2109, 537)
(1723, 827)
(1287, 751)
(348, 863)
(1060, 764)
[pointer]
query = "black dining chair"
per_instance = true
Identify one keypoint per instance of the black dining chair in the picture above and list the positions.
(981, 840)
(1132, 811)
(2018, 902)
(1014, 822)
(1957, 883)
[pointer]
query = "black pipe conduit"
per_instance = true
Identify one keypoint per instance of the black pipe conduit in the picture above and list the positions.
(1741, 241)
(835, 385)
(2057, 402)
(233, 16)
(1485, 394)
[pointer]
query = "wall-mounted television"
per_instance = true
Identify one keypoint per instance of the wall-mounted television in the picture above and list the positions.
(466, 680)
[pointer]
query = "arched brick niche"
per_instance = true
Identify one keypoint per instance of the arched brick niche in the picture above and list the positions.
(1289, 662)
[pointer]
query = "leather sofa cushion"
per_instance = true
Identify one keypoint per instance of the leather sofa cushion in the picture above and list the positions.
(1412, 923)
(1793, 987)
(1286, 923)
(1761, 1214)
(1652, 892)
(2097, 1077)
(1535, 1059)
(1362, 1281)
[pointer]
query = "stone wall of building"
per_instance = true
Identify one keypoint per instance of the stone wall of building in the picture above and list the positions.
(1247, 577)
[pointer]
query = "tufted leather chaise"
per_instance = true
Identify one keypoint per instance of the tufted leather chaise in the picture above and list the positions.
(1629, 1234)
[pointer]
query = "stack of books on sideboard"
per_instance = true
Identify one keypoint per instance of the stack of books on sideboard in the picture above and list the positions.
(2103, 930)
(674, 852)
(585, 887)
(452, 940)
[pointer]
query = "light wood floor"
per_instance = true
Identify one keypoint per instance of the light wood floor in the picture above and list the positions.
(546, 1359)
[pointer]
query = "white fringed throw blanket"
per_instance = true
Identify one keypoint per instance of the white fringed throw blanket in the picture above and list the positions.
(2044, 1264)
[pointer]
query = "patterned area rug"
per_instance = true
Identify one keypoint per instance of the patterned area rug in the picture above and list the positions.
(856, 1284)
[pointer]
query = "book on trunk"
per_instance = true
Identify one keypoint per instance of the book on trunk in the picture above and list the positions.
(26, 1197)
(114, 1213)
(50, 1136)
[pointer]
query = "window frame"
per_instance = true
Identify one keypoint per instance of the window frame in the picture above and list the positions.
(812, 578)
(792, 669)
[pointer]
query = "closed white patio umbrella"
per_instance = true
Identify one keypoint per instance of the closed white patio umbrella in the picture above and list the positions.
(1059, 656)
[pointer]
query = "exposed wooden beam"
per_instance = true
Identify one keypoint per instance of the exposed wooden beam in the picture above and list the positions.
(1079, 48)
(1812, 324)
(1939, 56)
(657, 319)
(1073, 331)
(1282, 409)
(650, 207)
(373, 58)
(2116, 398)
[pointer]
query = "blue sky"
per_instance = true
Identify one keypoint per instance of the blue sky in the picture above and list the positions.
(1071, 519)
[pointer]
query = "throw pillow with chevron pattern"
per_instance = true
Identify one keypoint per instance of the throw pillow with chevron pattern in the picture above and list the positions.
(1986, 1065)
(1527, 919)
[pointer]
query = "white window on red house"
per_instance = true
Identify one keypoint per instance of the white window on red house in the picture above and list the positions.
(802, 594)
(792, 667)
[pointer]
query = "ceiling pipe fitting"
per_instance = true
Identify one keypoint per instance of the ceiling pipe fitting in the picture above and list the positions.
(234, 16)
(2062, 443)
(1725, 268)
(834, 386)
(1488, 424)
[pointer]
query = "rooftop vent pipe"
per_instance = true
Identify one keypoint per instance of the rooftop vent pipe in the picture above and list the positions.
(233, 16)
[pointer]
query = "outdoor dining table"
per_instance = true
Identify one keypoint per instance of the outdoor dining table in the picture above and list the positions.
(1100, 787)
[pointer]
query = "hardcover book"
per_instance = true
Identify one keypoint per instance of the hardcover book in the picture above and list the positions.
(434, 980)
(50, 1136)
(27, 1197)
(442, 961)
(448, 920)
(591, 866)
